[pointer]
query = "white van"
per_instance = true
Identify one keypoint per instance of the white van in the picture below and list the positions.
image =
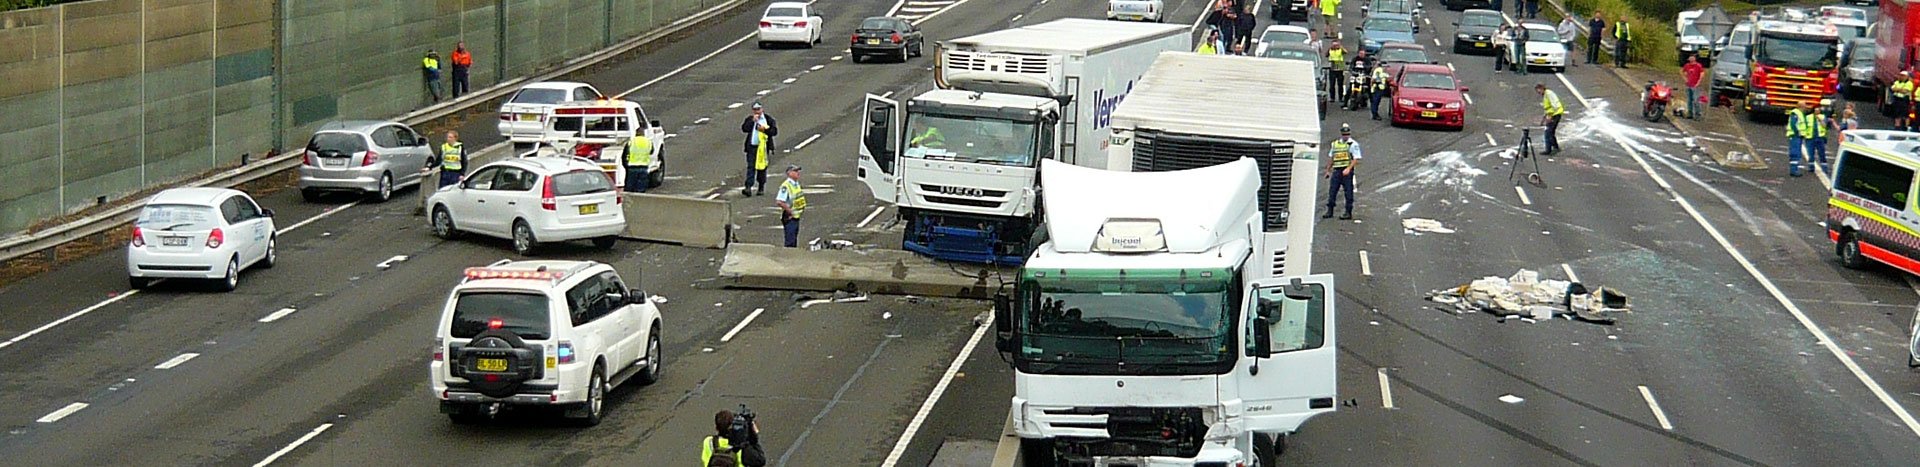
(1871, 213)
(599, 131)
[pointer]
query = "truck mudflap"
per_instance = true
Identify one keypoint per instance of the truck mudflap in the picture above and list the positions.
(1004, 242)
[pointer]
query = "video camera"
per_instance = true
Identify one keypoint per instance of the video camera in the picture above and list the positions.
(741, 431)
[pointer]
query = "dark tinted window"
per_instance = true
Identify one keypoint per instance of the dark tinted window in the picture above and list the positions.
(230, 209)
(246, 208)
(540, 96)
(1874, 179)
(386, 137)
(580, 182)
(345, 143)
(512, 179)
(879, 23)
(588, 301)
(784, 12)
(521, 313)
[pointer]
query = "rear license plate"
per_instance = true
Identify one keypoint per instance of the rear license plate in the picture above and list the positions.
(333, 162)
(873, 42)
(1483, 44)
(490, 364)
(529, 117)
(589, 209)
(1429, 114)
(173, 241)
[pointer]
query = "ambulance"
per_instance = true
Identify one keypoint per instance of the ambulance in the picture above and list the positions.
(1871, 215)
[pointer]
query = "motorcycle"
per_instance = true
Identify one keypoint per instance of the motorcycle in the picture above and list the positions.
(1654, 100)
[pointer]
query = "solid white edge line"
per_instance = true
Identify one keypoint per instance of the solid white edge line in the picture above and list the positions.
(1523, 195)
(1576, 91)
(296, 444)
(276, 315)
(1366, 266)
(62, 413)
(742, 325)
(869, 219)
(809, 140)
(913, 427)
(1569, 270)
(682, 68)
(1820, 336)
(1658, 414)
(176, 361)
(321, 215)
(1386, 391)
(70, 317)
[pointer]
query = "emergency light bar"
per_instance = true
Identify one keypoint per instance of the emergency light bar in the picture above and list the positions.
(589, 111)
(493, 273)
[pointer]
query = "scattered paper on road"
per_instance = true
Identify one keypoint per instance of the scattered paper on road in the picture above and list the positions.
(1416, 225)
(1526, 296)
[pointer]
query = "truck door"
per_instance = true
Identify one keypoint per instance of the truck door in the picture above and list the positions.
(1292, 376)
(880, 136)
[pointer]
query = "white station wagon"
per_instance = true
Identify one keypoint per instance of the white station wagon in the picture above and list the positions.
(532, 200)
(199, 233)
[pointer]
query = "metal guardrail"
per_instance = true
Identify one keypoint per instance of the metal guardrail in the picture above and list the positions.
(45, 240)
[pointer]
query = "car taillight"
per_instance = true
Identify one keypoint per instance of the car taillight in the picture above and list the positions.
(896, 38)
(137, 240)
(369, 159)
(506, 116)
(546, 194)
(856, 38)
(799, 24)
(307, 158)
(216, 238)
(765, 24)
(439, 349)
(565, 352)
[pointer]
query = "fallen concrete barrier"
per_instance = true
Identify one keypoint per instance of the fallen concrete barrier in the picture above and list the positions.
(892, 272)
(673, 219)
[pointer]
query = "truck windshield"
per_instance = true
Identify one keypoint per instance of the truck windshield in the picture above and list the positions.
(971, 139)
(1127, 326)
(1794, 53)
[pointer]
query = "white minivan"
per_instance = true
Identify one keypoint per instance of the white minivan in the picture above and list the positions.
(532, 200)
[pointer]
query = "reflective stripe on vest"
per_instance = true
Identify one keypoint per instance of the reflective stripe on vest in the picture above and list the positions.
(639, 151)
(1342, 154)
(450, 157)
(796, 200)
(1622, 30)
(1380, 79)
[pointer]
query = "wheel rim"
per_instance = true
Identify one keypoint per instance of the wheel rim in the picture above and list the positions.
(1850, 250)
(442, 222)
(233, 272)
(595, 394)
(653, 354)
(522, 239)
(272, 255)
(386, 186)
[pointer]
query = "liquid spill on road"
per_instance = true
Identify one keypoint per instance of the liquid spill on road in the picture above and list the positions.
(1451, 169)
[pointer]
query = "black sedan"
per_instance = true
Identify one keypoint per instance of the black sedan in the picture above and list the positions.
(886, 36)
(1476, 30)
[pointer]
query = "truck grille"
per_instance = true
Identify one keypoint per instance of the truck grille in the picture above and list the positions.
(1160, 152)
(997, 62)
(1784, 89)
(1132, 432)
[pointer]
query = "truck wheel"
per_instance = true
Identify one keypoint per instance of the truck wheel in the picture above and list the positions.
(1266, 449)
(1036, 452)
(1849, 250)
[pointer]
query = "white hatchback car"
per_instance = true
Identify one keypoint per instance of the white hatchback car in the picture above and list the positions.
(199, 233)
(532, 200)
(523, 116)
(1137, 10)
(792, 22)
(544, 334)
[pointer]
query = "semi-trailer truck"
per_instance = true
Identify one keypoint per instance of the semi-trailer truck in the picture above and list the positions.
(960, 161)
(1170, 319)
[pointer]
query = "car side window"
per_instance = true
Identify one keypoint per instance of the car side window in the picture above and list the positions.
(407, 136)
(230, 210)
(583, 93)
(513, 179)
(482, 180)
(582, 301)
(248, 210)
(385, 137)
(613, 285)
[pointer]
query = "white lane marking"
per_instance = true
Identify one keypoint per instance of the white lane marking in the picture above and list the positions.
(1490, 141)
(276, 315)
(1016, 18)
(1450, 67)
(869, 219)
(296, 444)
(763, 92)
(837, 58)
(389, 262)
(321, 215)
(62, 413)
(717, 195)
(1820, 336)
(809, 140)
(742, 325)
(896, 8)
(1468, 97)
(1523, 195)
(1569, 270)
(176, 361)
(900, 447)
(887, 94)
(63, 320)
(1436, 42)
(789, 80)
(735, 105)
(1366, 266)
(816, 68)
(1386, 392)
(1429, 22)
(697, 61)
(1824, 181)
(1658, 414)
(702, 121)
(1576, 91)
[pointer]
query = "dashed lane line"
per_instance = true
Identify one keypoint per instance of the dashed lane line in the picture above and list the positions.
(869, 219)
(809, 140)
(322, 215)
(1366, 266)
(296, 445)
(175, 361)
(1490, 141)
(276, 315)
(62, 413)
(743, 324)
(1523, 195)
(1569, 270)
(1386, 391)
(1658, 414)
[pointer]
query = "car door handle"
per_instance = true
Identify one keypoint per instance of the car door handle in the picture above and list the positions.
(481, 201)
(510, 203)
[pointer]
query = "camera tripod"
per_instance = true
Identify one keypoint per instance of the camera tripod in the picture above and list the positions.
(1526, 152)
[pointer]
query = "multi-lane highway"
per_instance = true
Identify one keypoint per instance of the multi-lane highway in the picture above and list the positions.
(1748, 343)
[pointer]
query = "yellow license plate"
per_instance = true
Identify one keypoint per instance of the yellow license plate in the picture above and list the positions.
(586, 209)
(1483, 44)
(1429, 114)
(529, 117)
(1539, 61)
(490, 364)
(873, 42)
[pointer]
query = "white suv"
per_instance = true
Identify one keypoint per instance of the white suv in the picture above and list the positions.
(542, 333)
(532, 200)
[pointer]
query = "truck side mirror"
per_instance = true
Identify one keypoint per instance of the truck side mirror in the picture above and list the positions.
(1262, 337)
(654, 123)
(1003, 313)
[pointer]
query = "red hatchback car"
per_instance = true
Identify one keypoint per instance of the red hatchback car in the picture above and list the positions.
(1425, 94)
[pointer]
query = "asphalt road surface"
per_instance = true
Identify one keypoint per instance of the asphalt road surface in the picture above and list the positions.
(1748, 343)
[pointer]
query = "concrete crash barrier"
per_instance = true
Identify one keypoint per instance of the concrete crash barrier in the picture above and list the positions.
(692, 222)
(893, 272)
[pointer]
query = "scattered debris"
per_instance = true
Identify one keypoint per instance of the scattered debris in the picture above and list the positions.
(1415, 225)
(1511, 399)
(823, 244)
(657, 299)
(1526, 296)
(839, 296)
(1373, 323)
(886, 315)
(706, 350)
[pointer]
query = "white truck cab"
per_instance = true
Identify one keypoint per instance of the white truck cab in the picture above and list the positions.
(542, 333)
(599, 130)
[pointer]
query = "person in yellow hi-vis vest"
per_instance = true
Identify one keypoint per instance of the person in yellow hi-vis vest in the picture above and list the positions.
(760, 129)
(639, 156)
(792, 201)
(453, 159)
(430, 71)
(1330, 12)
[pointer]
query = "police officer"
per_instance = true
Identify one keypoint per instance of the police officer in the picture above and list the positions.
(760, 129)
(1902, 95)
(639, 157)
(1799, 128)
(1342, 157)
(1622, 42)
(453, 159)
(1553, 110)
(1379, 90)
(793, 202)
(747, 453)
(1337, 68)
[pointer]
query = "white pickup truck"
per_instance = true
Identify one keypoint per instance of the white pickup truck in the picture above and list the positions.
(599, 130)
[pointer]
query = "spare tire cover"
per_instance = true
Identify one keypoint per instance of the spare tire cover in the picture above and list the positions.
(503, 344)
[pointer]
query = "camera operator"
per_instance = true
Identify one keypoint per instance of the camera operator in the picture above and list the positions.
(736, 442)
